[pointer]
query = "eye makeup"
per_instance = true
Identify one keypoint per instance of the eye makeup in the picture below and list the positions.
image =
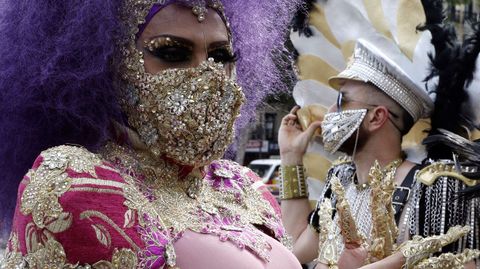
(170, 49)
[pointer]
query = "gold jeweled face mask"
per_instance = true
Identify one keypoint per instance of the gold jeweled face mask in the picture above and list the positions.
(185, 114)
(337, 127)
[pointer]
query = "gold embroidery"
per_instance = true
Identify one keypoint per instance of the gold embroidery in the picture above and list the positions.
(91, 213)
(171, 205)
(384, 229)
(50, 181)
(97, 190)
(40, 197)
(98, 182)
(103, 236)
(61, 224)
(327, 248)
(124, 258)
(51, 255)
(77, 158)
(13, 257)
(129, 219)
(35, 237)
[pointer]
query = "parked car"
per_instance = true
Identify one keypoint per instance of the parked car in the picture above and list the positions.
(269, 171)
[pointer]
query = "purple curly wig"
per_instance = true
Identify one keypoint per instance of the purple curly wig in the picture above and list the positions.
(57, 80)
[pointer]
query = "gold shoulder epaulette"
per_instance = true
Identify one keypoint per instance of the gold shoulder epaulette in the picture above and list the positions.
(429, 174)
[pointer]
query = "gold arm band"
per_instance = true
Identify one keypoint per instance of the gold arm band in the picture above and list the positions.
(293, 184)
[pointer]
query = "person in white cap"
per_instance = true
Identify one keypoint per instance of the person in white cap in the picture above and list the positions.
(380, 97)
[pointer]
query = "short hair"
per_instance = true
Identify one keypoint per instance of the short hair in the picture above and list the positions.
(380, 97)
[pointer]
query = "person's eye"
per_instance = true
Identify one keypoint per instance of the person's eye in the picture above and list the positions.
(169, 50)
(172, 54)
(222, 55)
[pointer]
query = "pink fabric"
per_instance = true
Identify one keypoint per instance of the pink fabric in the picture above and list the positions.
(205, 251)
(80, 240)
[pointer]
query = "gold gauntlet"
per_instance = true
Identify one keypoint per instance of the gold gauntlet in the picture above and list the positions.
(420, 248)
(327, 247)
(293, 184)
(449, 260)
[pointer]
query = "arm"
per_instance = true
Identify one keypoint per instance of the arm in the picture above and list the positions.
(293, 143)
(393, 262)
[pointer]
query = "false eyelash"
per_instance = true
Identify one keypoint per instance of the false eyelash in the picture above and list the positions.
(227, 57)
(231, 58)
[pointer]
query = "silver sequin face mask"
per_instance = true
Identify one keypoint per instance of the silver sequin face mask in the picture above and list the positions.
(337, 127)
(187, 115)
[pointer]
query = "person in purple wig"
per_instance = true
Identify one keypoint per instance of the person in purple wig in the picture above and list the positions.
(130, 105)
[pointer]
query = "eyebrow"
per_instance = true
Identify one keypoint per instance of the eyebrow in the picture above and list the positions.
(219, 44)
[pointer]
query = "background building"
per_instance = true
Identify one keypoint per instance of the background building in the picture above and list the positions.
(260, 139)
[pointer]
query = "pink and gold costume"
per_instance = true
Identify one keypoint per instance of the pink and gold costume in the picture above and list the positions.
(104, 210)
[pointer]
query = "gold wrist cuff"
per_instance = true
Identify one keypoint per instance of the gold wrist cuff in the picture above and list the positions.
(293, 184)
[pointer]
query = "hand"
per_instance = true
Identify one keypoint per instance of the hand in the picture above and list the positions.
(292, 140)
(353, 257)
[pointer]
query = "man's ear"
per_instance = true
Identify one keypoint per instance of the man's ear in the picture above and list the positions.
(376, 118)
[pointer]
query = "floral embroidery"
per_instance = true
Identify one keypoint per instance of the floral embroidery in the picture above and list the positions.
(123, 258)
(13, 257)
(50, 180)
(40, 197)
(226, 176)
(159, 250)
(78, 159)
(242, 235)
(222, 178)
(52, 255)
(226, 205)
